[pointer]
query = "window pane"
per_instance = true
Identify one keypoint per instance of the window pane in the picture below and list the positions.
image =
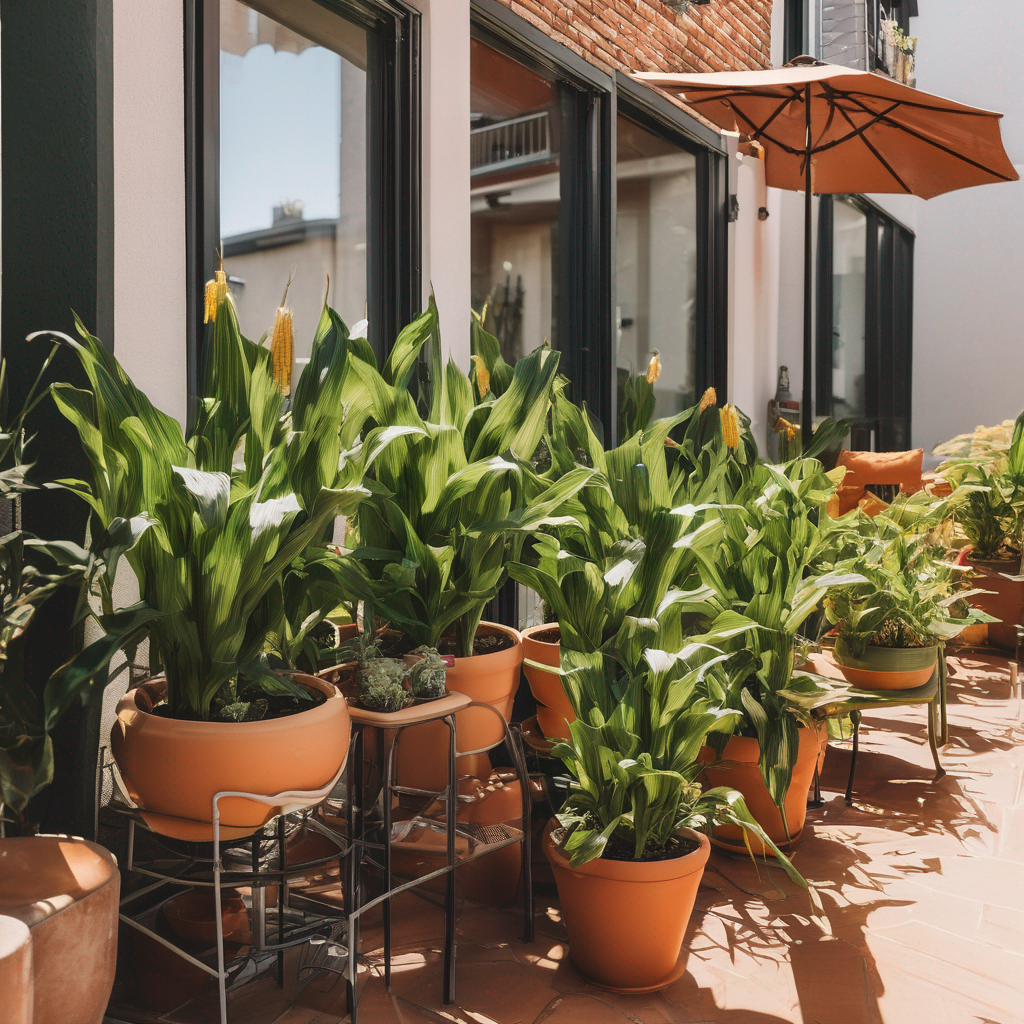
(656, 263)
(514, 140)
(849, 258)
(293, 163)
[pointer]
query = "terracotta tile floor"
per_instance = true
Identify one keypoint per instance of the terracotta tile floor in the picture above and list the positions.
(922, 881)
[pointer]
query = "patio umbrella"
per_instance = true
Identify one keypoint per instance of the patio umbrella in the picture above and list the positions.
(830, 129)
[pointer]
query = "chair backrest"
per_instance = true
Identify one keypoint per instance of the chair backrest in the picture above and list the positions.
(890, 473)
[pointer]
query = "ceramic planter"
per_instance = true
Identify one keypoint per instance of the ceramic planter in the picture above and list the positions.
(66, 891)
(738, 769)
(887, 668)
(15, 971)
(172, 769)
(554, 712)
(421, 758)
(1006, 603)
(626, 919)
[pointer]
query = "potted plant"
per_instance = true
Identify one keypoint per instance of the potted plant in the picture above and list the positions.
(452, 501)
(890, 626)
(627, 857)
(987, 470)
(218, 515)
(63, 889)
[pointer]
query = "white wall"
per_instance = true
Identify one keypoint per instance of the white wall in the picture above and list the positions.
(149, 199)
(969, 258)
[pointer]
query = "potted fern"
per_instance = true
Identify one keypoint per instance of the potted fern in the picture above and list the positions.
(218, 515)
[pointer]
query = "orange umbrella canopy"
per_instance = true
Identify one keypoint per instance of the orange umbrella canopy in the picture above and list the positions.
(868, 133)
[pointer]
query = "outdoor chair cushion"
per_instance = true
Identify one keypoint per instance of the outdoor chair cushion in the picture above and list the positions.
(902, 469)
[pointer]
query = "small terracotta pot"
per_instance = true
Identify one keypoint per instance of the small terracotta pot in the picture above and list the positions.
(66, 890)
(627, 919)
(554, 712)
(192, 916)
(887, 668)
(172, 769)
(421, 758)
(1006, 603)
(738, 769)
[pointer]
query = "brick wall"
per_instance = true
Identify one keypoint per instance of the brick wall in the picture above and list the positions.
(648, 35)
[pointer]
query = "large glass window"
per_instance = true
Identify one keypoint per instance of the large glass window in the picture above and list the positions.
(516, 190)
(293, 145)
(849, 297)
(656, 262)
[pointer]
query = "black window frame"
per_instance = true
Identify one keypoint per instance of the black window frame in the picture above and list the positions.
(794, 35)
(888, 325)
(585, 309)
(656, 114)
(394, 169)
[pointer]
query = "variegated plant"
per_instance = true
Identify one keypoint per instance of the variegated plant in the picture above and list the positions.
(217, 514)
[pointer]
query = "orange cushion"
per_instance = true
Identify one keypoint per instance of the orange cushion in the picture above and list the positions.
(871, 504)
(892, 468)
(847, 497)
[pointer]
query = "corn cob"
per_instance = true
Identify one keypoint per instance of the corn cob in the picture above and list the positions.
(483, 377)
(708, 399)
(653, 369)
(730, 427)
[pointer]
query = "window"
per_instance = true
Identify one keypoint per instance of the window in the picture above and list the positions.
(302, 156)
(656, 262)
(515, 142)
(864, 322)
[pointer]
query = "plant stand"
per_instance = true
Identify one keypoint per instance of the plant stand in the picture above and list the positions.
(443, 709)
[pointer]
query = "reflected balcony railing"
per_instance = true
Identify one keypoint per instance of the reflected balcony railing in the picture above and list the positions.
(509, 144)
(865, 34)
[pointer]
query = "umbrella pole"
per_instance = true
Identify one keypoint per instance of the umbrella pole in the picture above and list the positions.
(805, 412)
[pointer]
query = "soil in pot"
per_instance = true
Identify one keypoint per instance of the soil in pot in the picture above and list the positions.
(172, 769)
(626, 919)
(421, 758)
(554, 712)
(738, 769)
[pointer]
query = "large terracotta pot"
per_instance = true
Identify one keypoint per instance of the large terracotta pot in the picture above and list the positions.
(738, 769)
(1006, 602)
(15, 972)
(172, 769)
(626, 919)
(554, 712)
(421, 758)
(66, 890)
(887, 668)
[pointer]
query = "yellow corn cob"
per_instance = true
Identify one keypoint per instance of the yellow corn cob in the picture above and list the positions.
(282, 349)
(730, 427)
(483, 377)
(216, 292)
(708, 399)
(653, 369)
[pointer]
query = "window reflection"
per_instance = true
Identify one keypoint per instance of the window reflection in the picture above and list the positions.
(656, 263)
(292, 162)
(849, 259)
(514, 153)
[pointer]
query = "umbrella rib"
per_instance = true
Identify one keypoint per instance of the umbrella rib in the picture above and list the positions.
(758, 132)
(878, 156)
(851, 94)
(856, 131)
(775, 142)
(924, 138)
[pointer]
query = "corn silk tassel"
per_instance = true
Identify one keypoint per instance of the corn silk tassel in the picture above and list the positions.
(730, 427)
(282, 345)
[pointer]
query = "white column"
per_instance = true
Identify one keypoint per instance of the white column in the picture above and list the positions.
(446, 219)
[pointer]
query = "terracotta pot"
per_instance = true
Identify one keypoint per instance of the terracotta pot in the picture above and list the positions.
(554, 712)
(15, 972)
(973, 636)
(626, 919)
(1006, 603)
(172, 769)
(738, 769)
(421, 759)
(887, 668)
(66, 890)
(192, 916)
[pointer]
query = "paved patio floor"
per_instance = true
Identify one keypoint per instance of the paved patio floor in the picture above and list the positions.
(922, 881)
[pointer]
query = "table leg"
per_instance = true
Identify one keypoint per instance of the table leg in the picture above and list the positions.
(386, 809)
(449, 878)
(855, 717)
(943, 677)
(933, 728)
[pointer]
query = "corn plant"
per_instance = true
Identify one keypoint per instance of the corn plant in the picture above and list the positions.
(218, 514)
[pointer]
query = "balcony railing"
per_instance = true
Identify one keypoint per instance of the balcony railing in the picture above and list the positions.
(509, 144)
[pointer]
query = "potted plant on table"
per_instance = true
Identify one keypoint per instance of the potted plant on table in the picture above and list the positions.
(988, 474)
(218, 516)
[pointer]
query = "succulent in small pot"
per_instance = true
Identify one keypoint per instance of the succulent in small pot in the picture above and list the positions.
(427, 674)
(381, 685)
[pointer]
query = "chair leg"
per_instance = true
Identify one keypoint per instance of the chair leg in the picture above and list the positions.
(448, 994)
(943, 678)
(518, 753)
(933, 728)
(350, 895)
(855, 717)
(386, 808)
